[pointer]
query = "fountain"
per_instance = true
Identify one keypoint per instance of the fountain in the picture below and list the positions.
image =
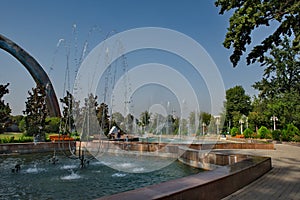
(122, 165)
(37, 178)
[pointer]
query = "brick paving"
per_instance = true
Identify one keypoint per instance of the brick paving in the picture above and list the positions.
(282, 182)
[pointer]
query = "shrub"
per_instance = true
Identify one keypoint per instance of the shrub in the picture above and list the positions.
(263, 132)
(8, 139)
(23, 138)
(234, 131)
(248, 133)
(290, 132)
(296, 138)
(254, 135)
(276, 134)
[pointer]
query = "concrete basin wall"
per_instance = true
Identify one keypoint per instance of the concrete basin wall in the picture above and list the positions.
(226, 174)
(215, 184)
(207, 160)
(30, 147)
(168, 147)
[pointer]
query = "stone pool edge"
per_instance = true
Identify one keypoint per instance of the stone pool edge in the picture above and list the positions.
(215, 184)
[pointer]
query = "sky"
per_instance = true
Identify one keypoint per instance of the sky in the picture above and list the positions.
(51, 30)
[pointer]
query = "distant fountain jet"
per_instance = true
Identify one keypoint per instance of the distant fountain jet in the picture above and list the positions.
(35, 70)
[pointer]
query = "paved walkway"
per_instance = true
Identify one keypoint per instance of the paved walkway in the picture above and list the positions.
(282, 182)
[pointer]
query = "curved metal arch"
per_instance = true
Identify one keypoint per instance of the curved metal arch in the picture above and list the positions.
(35, 70)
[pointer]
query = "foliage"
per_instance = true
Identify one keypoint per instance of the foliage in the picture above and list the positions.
(236, 116)
(250, 15)
(285, 107)
(205, 118)
(254, 120)
(22, 125)
(88, 118)
(296, 138)
(4, 108)
(36, 112)
(234, 131)
(263, 132)
(145, 118)
(248, 133)
(7, 140)
(129, 122)
(67, 120)
(52, 124)
(117, 118)
(16, 120)
(24, 138)
(276, 134)
(282, 72)
(258, 116)
(103, 117)
(237, 103)
(15, 138)
(290, 132)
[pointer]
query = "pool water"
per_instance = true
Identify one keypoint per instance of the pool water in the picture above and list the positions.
(40, 179)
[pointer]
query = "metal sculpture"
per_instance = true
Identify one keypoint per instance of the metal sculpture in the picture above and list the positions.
(35, 70)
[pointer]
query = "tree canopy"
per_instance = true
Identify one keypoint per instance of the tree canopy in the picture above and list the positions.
(36, 112)
(237, 103)
(4, 108)
(250, 15)
(68, 122)
(103, 117)
(282, 72)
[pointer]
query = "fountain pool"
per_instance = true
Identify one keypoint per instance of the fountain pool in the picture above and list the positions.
(40, 179)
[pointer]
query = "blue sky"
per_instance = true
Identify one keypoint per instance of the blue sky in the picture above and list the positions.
(37, 26)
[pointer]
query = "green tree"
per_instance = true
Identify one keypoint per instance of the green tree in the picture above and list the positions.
(129, 123)
(205, 118)
(172, 124)
(145, 118)
(67, 120)
(36, 112)
(282, 72)
(260, 114)
(236, 102)
(4, 108)
(254, 120)
(204, 122)
(103, 117)
(250, 15)
(22, 125)
(280, 87)
(236, 116)
(52, 124)
(17, 119)
(117, 118)
(290, 132)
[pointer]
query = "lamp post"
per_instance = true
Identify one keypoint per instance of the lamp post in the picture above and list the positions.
(241, 121)
(217, 118)
(203, 128)
(274, 119)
